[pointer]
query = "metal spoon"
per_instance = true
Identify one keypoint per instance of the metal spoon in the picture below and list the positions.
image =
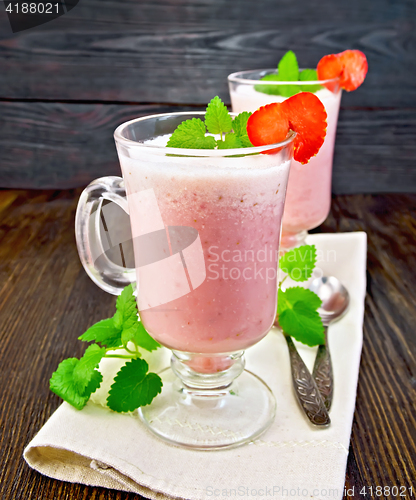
(306, 390)
(335, 300)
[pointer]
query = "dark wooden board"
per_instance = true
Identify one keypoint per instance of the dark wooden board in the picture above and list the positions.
(182, 52)
(61, 145)
(46, 300)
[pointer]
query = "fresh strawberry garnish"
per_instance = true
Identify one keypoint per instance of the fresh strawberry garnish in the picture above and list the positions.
(307, 117)
(303, 113)
(350, 66)
(268, 125)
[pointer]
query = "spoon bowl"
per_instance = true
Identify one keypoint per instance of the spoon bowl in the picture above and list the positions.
(335, 298)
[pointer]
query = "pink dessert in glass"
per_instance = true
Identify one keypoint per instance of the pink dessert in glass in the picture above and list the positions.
(236, 206)
(308, 197)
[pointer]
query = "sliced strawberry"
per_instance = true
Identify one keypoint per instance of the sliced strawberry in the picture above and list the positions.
(268, 125)
(351, 66)
(303, 113)
(307, 117)
(330, 67)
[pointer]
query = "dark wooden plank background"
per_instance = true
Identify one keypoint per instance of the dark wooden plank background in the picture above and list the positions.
(66, 85)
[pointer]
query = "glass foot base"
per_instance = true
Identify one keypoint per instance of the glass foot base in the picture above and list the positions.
(292, 240)
(208, 419)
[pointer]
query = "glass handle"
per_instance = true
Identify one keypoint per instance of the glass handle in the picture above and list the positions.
(90, 221)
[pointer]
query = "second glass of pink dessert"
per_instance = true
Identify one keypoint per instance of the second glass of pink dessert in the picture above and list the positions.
(308, 196)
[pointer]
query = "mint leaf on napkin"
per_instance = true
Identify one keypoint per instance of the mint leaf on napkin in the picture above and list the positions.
(84, 370)
(126, 314)
(123, 327)
(298, 316)
(127, 318)
(76, 379)
(62, 383)
(140, 337)
(133, 387)
(299, 263)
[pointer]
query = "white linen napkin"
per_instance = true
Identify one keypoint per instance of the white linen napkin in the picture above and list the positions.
(292, 460)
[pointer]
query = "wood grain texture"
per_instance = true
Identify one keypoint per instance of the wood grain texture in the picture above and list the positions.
(53, 145)
(46, 300)
(66, 145)
(182, 52)
(385, 416)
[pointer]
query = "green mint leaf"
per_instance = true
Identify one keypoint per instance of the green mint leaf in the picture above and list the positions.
(288, 68)
(299, 263)
(94, 383)
(84, 370)
(309, 75)
(190, 134)
(240, 128)
(126, 315)
(298, 316)
(104, 332)
(231, 141)
(62, 384)
(140, 337)
(288, 71)
(217, 117)
(133, 387)
(269, 89)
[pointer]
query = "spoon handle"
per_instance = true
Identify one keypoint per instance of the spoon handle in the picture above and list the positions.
(306, 391)
(323, 373)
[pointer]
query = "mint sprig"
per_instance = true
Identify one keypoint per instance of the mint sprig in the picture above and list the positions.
(76, 379)
(191, 134)
(297, 307)
(288, 71)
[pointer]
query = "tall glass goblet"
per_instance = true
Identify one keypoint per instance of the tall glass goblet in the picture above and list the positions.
(308, 198)
(206, 228)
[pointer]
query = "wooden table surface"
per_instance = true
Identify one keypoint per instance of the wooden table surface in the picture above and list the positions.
(47, 300)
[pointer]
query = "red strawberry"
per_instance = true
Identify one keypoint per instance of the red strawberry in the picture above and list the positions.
(303, 113)
(268, 125)
(351, 66)
(307, 117)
